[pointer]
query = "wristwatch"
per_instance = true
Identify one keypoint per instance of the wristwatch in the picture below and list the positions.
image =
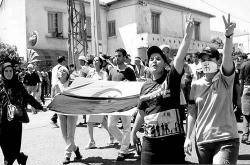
(229, 36)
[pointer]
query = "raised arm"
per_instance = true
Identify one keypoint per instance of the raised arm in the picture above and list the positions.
(182, 51)
(227, 62)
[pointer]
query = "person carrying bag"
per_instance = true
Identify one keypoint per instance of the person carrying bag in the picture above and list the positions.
(14, 99)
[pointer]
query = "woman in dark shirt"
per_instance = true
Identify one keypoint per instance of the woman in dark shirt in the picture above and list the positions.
(159, 105)
(11, 130)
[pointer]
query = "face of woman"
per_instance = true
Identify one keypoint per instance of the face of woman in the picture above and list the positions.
(97, 63)
(156, 63)
(64, 77)
(8, 73)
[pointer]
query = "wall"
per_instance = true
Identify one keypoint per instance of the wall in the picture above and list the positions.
(135, 18)
(12, 24)
(37, 19)
(124, 14)
(172, 20)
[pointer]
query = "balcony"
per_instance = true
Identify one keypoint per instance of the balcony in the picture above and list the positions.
(147, 40)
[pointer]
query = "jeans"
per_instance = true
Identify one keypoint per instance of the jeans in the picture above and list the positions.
(124, 136)
(246, 123)
(68, 127)
(222, 152)
(165, 150)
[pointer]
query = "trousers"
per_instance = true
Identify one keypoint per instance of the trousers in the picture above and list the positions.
(68, 127)
(10, 141)
(123, 136)
(222, 152)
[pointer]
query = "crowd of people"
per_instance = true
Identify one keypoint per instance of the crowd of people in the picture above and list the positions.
(208, 89)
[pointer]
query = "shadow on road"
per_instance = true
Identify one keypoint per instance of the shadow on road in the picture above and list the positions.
(100, 160)
(244, 157)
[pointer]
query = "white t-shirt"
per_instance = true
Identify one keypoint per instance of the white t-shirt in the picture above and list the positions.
(54, 78)
(215, 116)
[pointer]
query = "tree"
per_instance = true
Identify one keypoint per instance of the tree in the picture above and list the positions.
(9, 52)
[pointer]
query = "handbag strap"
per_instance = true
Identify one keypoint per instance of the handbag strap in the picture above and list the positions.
(8, 98)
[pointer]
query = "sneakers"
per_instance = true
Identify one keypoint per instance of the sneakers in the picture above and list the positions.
(122, 156)
(54, 125)
(244, 139)
(91, 145)
(22, 159)
(66, 161)
(81, 124)
(78, 155)
(99, 126)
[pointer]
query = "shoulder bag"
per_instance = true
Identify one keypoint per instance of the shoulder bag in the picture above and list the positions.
(16, 112)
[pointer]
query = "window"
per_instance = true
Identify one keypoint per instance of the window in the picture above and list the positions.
(155, 23)
(196, 30)
(55, 24)
(111, 28)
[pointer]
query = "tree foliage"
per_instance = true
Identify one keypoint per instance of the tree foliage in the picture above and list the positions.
(9, 53)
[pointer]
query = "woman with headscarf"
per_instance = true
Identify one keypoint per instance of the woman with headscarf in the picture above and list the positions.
(13, 91)
(67, 122)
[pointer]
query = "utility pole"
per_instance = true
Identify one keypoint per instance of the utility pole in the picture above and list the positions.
(77, 36)
(95, 27)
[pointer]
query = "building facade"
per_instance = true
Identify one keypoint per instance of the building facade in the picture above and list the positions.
(131, 24)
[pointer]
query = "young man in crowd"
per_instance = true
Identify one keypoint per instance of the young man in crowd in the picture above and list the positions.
(121, 72)
(32, 82)
(61, 61)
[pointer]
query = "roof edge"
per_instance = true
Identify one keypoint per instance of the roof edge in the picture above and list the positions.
(172, 5)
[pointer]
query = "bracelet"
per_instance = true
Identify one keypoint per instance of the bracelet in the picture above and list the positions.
(228, 36)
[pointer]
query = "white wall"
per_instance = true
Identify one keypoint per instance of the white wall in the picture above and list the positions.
(124, 14)
(12, 24)
(172, 21)
(37, 19)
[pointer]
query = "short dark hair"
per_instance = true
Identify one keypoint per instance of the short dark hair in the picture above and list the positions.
(60, 59)
(89, 61)
(123, 51)
(101, 62)
(72, 66)
(197, 54)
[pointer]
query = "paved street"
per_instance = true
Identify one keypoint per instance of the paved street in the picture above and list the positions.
(45, 145)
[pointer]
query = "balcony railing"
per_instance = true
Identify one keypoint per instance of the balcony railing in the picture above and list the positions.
(147, 40)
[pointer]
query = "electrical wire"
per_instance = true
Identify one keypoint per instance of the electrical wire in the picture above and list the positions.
(223, 11)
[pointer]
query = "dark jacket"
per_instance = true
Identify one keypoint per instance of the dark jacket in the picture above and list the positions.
(18, 96)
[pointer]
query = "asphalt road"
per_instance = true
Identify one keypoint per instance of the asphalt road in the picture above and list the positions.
(45, 146)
